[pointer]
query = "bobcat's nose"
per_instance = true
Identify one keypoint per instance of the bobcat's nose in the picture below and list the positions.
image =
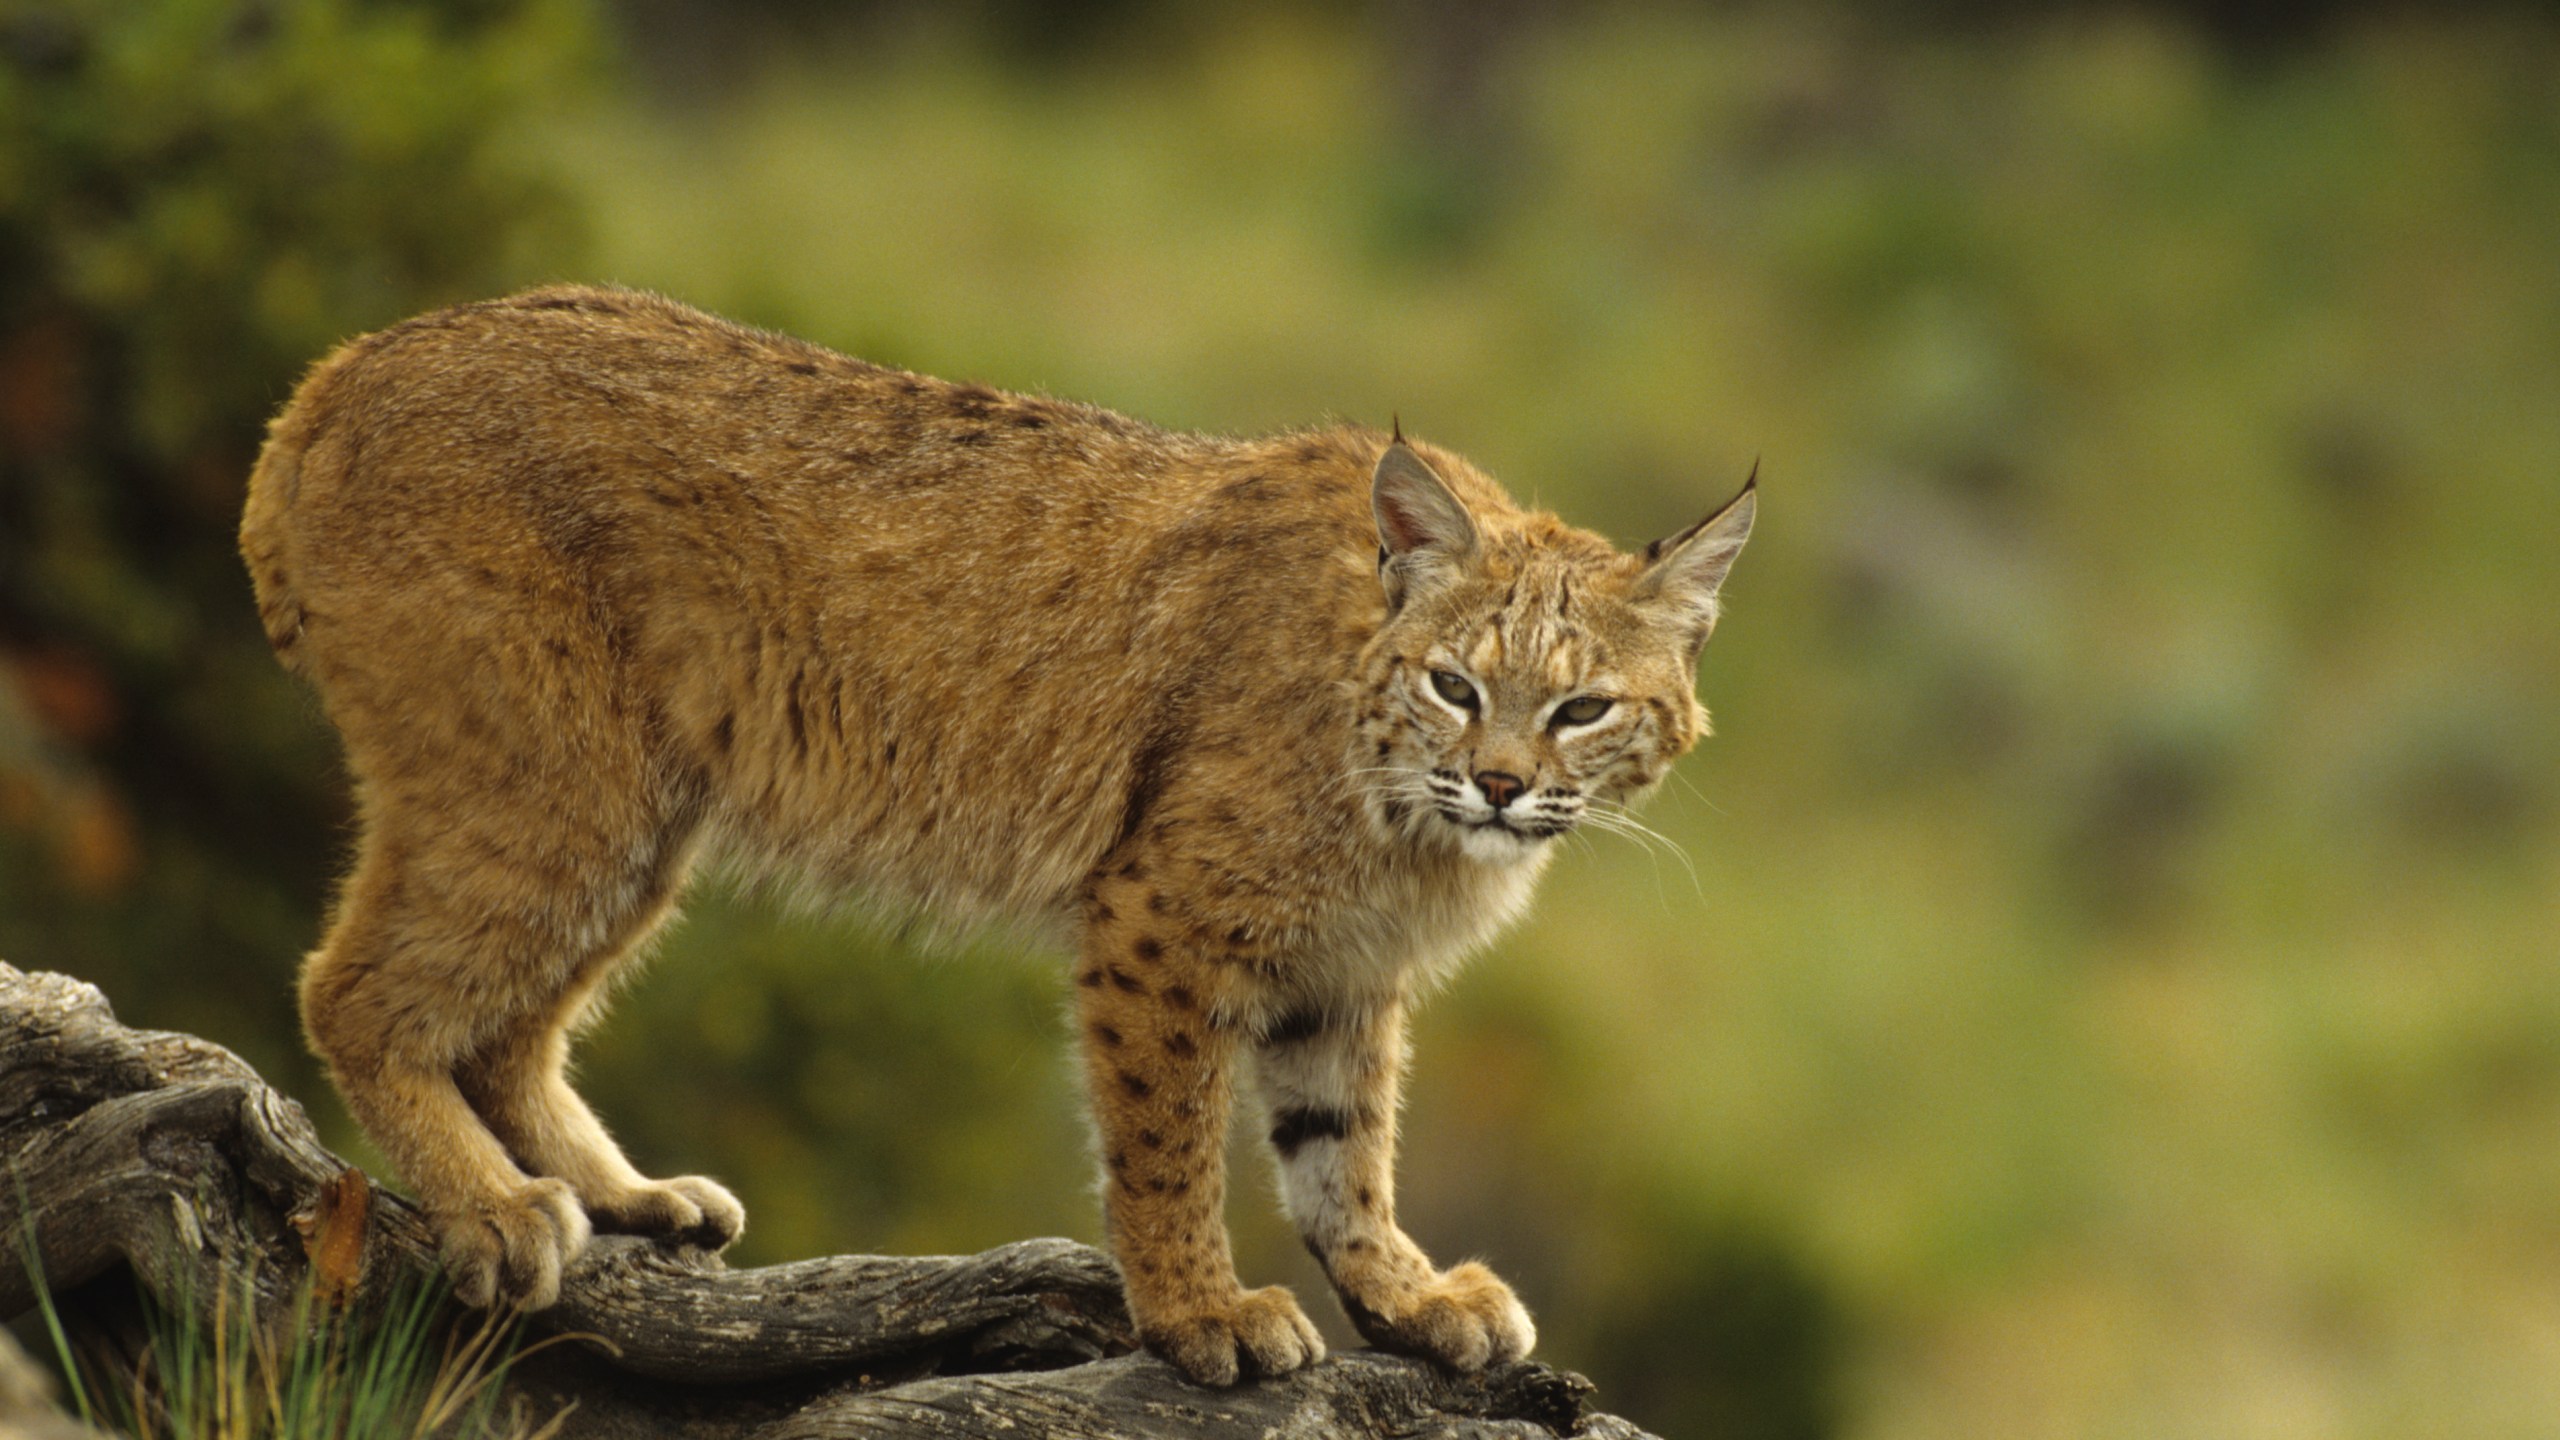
(1499, 787)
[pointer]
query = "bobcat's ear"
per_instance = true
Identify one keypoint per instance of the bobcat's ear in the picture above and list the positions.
(1683, 572)
(1424, 530)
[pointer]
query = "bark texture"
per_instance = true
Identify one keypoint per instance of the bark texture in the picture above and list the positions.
(165, 1157)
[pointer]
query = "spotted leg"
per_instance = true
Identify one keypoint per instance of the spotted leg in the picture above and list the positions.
(1159, 1068)
(1331, 1081)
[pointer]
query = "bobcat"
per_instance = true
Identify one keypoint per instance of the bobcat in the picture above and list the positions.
(594, 586)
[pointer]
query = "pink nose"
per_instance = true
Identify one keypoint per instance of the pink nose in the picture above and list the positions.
(1498, 787)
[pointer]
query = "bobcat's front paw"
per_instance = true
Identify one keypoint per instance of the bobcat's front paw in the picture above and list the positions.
(512, 1249)
(1464, 1317)
(1260, 1332)
(687, 1210)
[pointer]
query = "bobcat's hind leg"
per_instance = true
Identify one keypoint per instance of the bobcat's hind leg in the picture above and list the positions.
(519, 1085)
(405, 986)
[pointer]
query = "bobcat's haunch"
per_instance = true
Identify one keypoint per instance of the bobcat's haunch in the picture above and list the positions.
(593, 585)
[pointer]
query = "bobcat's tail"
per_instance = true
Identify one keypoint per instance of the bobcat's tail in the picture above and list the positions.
(265, 541)
(269, 534)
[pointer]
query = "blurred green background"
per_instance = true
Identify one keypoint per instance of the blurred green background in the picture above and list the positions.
(2108, 984)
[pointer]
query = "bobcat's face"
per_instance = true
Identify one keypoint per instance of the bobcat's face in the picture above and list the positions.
(1519, 713)
(1530, 675)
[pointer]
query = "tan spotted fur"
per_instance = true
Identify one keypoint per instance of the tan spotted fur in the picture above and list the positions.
(595, 587)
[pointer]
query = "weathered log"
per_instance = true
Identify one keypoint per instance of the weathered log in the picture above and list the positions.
(165, 1156)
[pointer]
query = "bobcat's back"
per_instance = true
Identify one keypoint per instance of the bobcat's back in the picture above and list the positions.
(923, 636)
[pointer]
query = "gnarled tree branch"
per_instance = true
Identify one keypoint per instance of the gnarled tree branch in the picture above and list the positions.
(167, 1156)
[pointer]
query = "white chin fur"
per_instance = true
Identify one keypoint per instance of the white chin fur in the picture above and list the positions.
(1494, 845)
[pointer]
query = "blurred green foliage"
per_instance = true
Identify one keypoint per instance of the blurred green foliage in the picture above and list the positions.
(2107, 983)
(197, 198)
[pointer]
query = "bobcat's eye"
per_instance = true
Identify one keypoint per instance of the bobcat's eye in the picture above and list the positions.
(1582, 710)
(1454, 689)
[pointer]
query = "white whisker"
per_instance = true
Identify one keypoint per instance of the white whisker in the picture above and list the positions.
(1701, 796)
(1616, 820)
